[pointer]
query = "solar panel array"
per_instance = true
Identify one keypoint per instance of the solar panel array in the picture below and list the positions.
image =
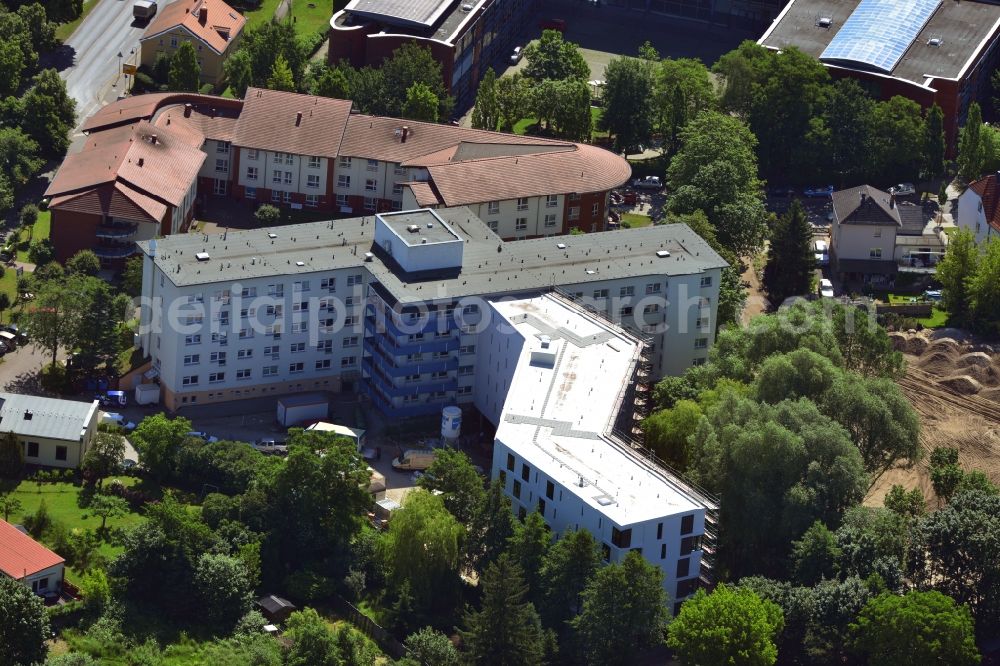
(878, 32)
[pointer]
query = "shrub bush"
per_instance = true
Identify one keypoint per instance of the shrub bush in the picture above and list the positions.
(267, 215)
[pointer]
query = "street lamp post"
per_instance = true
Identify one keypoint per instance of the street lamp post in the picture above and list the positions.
(119, 77)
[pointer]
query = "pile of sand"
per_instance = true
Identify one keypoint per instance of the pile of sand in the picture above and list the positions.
(982, 359)
(963, 384)
(939, 363)
(908, 344)
(948, 345)
(986, 375)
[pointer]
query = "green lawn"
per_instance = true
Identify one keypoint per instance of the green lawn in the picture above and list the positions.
(61, 501)
(938, 318)
(309, 16)
(523, 125)
(41, 229)
(596, 113)
(64, 30)
(635, 220)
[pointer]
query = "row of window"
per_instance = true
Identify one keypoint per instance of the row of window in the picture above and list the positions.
(31, 451)
(269, 371)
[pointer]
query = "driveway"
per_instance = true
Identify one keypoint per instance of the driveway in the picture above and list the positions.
(108, 30)
(19, 369)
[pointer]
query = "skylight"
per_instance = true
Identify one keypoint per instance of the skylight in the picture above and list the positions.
(878, 32)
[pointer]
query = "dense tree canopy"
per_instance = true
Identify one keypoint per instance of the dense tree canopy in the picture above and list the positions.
(24, 624)
(628, 102)
(791, 260)
(554, 59)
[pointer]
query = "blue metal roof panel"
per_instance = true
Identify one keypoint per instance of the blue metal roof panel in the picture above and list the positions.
(879, 32)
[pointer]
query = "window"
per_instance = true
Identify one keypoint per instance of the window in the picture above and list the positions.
(312, 180)
(521, 224)
(222, 147)
(653, 288)
(701, 322)
(626, 291)
(875, 253)
(348, 361)
(60, 455)
(659, 531)
(684, 567)
(663, 551)
(525, 472)
(510, 461)
(687, 587)
(251, 193)
(698, 361)
(192, 339)
(398, 169)
(297, 347)
(467, 349)
(605, 552)
(687, 524)
(700, 343)
(221, 166)
(192, 359)
(302, 285)
(221, 338)
(328, 284)
(343, 180)
(252, 154)
(550, 489)
(273, 351)
(313, 162)
(550, 220)
(245, 373)
(275, 196)
(190, 380)
(270, 370)
(371, 185)
(464, 390)
(369, 203)
(323, 365)
(276, 177)
(244, 353)
(341, 199)
(522, 203)
(350, 341)
(621, 538)
(551, 200)
(173, 42)
(216, 377)
(218, 357)
(594, 208)
(493, 225)
(296, 367)
(288, 178)
(574, 196)
(493, 208)
(32, 450)
(706, 281)
(372, 165)
(300, 326)
(397, 188)
(312, 200)
(600, 293)
(353, 280)
(289, 158)
(877, 233)
(574, 212)
(651, 309)
(465, 370)
(516, 492)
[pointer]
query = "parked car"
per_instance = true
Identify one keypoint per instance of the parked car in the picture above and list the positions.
(18, 333)
(819, 191)
(932, 295)
(903, 190)
(202, 435)
(117, 419)
(825, 288)
(648, 183)
(822, 250)
(515, 56)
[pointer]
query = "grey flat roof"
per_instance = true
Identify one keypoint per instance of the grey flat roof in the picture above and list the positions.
(50, 418)
(441, 23)
(489, 265)
(429, 227)
(407, 12)
(961, 26)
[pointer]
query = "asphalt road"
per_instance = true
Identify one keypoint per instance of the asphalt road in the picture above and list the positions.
(108, 30)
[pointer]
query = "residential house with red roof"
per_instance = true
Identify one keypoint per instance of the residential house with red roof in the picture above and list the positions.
(211, 26)
(24, 559)
(979, 208)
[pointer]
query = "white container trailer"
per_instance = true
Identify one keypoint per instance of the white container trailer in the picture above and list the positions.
(147, 394)
(296, 409)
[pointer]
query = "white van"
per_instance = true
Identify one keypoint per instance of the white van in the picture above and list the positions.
(415, 459)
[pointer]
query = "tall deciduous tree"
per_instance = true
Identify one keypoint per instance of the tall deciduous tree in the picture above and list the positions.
(624, 611)
(107, 506)
(682, 89)
(628, 102)
(53, 317)
(971, 145)
(934, 142)
(513, 100)
(19, 155)
(52, 113)
(506, 630)
(486, 113)
(729, 627)
(421, 103)
(281, 77)
(900, 139)
(916, 628)
(527, 548)
(716, 171)
(553, 58)
(265, 42)
(946, 473)
(955, 271)
(462, 487)
(815, 556)
(849, 118)
(492, 526)
(238, 69)
(791, 260)
(224, 588)
(984, 288)
(566, 569)
(104, 457)
(158, 439)
(408, 65)
(313, 643)
(666, 432)
(432, 648)
(24, 624)
(185, 72)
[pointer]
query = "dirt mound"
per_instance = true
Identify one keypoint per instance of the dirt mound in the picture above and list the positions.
(985, 375)
(937, 363)
(991, 394)
(981, 359)
(908, 344)
(949, 345)
(963, 384)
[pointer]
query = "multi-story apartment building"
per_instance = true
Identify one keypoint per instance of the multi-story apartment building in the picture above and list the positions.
(558, 383)
(392, 304)
(312, 152)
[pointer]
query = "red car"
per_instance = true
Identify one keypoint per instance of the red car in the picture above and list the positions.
(553, 24)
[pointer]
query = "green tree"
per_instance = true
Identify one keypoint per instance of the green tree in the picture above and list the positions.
(667, 431)
(461, 485)
(571, 110)
(53, 113)
(267, 215)
(224, 589)
(313, 643)
(421, 103)
(95, 590)
(847, 134)
(506, 630)
(158, 440)
(53, 320)
(624, 611)
(84, 262)
(12, 65)
(729, 627)
(798, 374)
(567, 567)
(41, 252)
(8, 505)
(900, 139)
(4, 304)
(281, 77)
(11, 456)
(185, 72)
(791, 260)
(527, 548)
(6, 192)
(264, 43)
(513, 100)
(486, 113)
(432, 648)
(107, 506)
(628, 102)
(553, 58)
(916, 628)
(24, 624)
(984, 289)
(19, 156)
(934, 142)
(946, 473)
(815, 555)
(873, 541)
(238, 70)
(955, 271)
(96, 336)
(682, 89)
(42, 31)
(132, 276)
(971, 146)
(715, 171)
(410, 64)
(104, 456)
(907, 504)
(492, 526)
(422, 547)
(332, 82)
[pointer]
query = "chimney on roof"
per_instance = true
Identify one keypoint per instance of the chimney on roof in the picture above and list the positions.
(140, 162)
(153, 139)
(864, 195)
(298, 118)
(187, 110)
(203, 15)
(892, 201)
(405, 133)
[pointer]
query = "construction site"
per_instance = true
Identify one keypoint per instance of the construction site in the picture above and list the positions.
(953, 382)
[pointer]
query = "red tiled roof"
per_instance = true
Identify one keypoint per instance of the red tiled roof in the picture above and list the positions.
(292, 123)
(118, 200)
(199, 126)
(988, 190)
(423, 193)
(20, 555)
(142, 107)
(221, 26)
